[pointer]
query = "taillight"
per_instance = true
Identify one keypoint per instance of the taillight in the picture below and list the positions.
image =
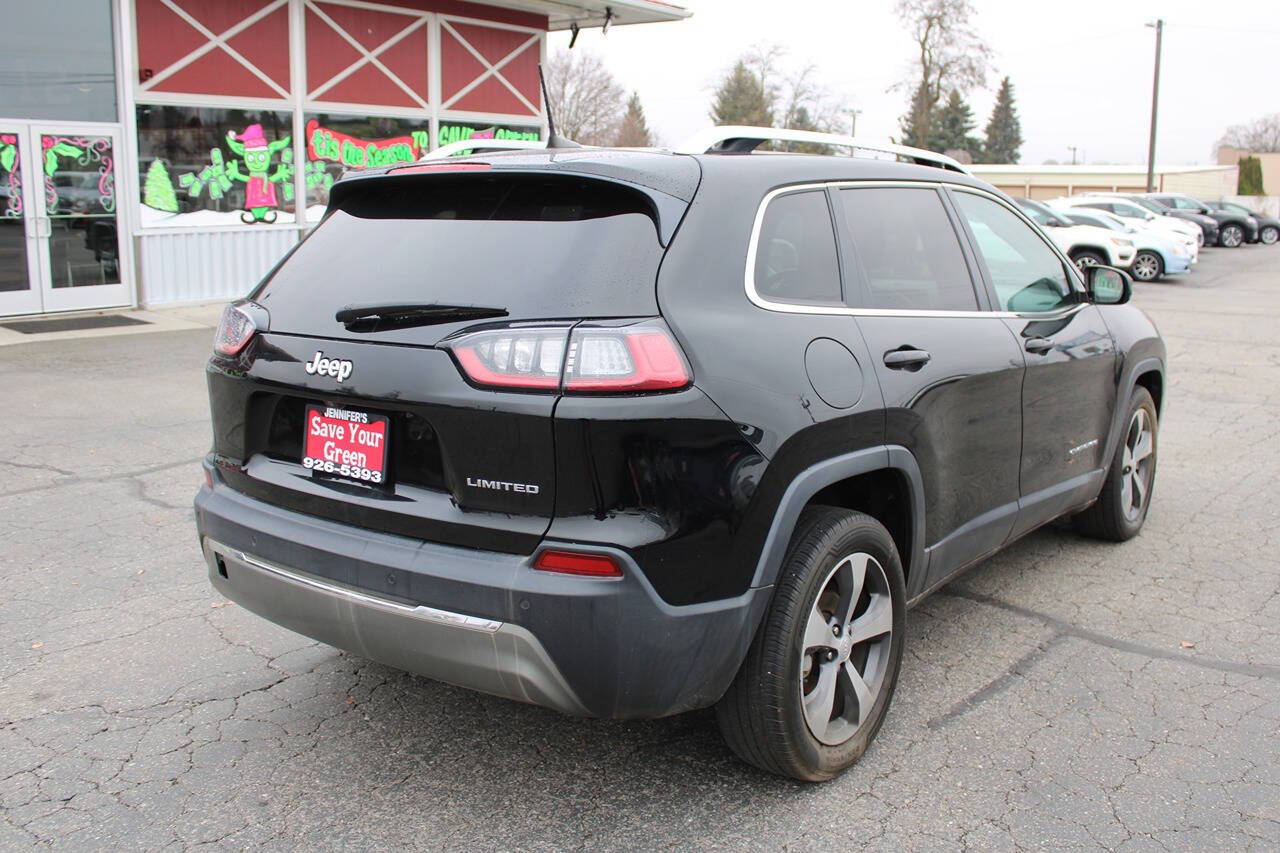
(575, 563)
(600, 359)
(235, 330)
(524, 358)
(633, 358)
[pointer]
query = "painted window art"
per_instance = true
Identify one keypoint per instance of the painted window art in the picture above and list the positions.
(10, 176)
(453, 132)
(201, 166)
(339, 143)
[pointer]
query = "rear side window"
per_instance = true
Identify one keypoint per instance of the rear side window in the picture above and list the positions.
(796, 251)
(1028, 276)
(908, 250)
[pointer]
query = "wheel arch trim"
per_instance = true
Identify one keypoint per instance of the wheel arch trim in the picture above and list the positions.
(1118, 420)
(828, 472)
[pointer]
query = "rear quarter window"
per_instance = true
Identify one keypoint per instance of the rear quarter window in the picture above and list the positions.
(796, 251)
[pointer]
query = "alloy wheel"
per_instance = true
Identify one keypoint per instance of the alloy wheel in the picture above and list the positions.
(1137, 465)
(1085, 261)
(1231, 236)
(846, 648)
(1146, 267)
(1270, 235)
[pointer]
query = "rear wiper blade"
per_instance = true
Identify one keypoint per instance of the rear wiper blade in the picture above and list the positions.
(381, 316)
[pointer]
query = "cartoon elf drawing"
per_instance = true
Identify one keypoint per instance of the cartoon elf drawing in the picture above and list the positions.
(260, 194)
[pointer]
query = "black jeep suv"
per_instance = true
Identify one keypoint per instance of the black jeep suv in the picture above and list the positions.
(630, 433)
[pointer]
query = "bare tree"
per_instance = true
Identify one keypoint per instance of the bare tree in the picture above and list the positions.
(1257, 137)
(951, 56)
(761, 89)
(586, 100)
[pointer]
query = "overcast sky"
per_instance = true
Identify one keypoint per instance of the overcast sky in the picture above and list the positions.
(1081, 69)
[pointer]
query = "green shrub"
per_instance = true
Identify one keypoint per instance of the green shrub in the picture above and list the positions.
(1250, 182)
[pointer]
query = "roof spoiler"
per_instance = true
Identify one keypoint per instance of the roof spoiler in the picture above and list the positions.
(738, 139)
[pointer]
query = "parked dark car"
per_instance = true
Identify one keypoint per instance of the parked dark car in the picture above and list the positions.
(1209, 229)
(1234, 227)
(630, 433)
(1268, 226)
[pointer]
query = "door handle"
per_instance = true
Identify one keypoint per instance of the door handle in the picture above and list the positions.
(906, 358)
(1039, 346)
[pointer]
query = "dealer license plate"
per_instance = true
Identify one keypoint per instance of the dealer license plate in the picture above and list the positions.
(345, 443)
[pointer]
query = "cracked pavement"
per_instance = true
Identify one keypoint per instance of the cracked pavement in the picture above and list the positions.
(1048, 698)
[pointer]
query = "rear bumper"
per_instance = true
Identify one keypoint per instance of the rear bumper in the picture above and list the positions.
(478, 619)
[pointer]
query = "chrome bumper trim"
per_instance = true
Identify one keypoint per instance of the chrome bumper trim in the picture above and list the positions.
(429, 614)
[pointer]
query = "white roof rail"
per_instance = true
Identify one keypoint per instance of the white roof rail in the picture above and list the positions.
(737, 138)
(481, 146)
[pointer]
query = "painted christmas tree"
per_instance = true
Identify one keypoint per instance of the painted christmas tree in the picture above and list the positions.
(158, 192)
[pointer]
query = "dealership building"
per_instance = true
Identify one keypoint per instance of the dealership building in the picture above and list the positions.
(164, 151)
(1051, 181)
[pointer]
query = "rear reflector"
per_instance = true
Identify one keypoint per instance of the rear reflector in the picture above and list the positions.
(574, 563)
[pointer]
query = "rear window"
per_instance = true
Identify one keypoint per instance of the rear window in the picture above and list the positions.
(540, 247)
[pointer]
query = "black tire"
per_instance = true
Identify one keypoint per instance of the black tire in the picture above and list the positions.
(762, 716)
(1113, 516)
(1269, 235)
(1231, 236)
(1087, 258)
(1147, 266)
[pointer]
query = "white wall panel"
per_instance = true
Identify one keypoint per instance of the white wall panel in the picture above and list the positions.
(204, 266)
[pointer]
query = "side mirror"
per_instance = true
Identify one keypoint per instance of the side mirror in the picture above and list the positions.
(1108, 285)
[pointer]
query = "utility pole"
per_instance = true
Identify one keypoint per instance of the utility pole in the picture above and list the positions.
(1155, 100)
(853, 122)
(1072, 149)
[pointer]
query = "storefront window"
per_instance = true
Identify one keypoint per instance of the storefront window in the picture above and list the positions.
(338, 143)
(455, 132)
(201, 167)
(57, 61)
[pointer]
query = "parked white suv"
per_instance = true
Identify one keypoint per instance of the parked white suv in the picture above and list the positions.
(1085, 245)
(1131, 214)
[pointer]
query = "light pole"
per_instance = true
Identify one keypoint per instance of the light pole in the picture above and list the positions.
(1072, 149)
(853, 122)
(1155, 100)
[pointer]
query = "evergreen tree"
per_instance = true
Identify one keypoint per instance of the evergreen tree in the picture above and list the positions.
(952, 127)
(800, 119)
(742, 99)
(158, 191)
(1004, 130)
(633, 132)
(907, 125)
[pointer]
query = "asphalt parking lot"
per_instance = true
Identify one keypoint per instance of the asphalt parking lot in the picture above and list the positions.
(1066, 693)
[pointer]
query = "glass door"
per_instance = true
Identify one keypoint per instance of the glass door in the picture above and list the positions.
(19, 265)
(76, 211)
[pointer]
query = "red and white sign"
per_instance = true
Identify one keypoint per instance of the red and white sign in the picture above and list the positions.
(345, 444)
